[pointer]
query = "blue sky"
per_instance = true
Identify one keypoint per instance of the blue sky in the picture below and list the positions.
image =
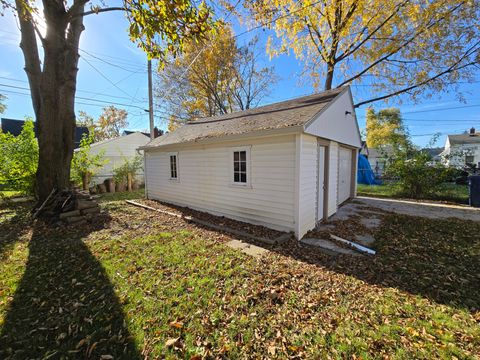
(114, 71)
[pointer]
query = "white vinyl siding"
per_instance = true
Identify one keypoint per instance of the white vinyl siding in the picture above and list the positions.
(337, 122)
(115, 151)
(173, 157)
(206, 180)
(308, 185)
(332, 178)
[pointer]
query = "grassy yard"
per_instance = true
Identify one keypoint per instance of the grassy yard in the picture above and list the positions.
(449, 192)
(138, 284)
(7, 194)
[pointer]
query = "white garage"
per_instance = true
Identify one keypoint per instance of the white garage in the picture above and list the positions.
(286, 165)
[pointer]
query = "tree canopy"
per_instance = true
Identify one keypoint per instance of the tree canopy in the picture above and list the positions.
(385, 127)
(411, 47)
(213, 76)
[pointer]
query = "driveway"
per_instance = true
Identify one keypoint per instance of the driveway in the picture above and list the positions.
(358, 219)
(424, 209)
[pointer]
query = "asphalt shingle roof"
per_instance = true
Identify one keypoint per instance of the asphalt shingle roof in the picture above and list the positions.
(464, 139)
(279, 115)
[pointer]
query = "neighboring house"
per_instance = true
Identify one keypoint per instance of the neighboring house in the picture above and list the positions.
(461, 150)
(435, 154)
(14, 127)
(116, 150)
(377, 157)
(156, 132)
(286, 166)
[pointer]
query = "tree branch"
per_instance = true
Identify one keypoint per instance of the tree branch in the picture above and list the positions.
(351, 50)
(454, 67)
(101, 10)
(400, 47)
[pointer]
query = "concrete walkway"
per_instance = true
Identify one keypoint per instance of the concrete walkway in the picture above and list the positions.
(414, 208)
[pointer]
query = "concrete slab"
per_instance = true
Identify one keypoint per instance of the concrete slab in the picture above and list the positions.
(430, 210)
(255, 251)
(237, 244)
(328, 247)
(249, 249)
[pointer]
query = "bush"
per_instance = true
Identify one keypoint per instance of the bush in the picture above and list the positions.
(85, 164)
(128, 170)
(19, 159)
(417, 175)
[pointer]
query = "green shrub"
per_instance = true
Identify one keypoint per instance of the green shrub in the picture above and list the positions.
(129, 168)
(84, 164)
(418, 176)
(19, 159)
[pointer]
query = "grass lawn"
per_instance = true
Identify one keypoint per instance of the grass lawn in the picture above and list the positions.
(449, 192)
(138, 284)
(7, 194)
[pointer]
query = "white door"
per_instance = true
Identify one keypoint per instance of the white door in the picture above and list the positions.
(321, 182)
(344, 174)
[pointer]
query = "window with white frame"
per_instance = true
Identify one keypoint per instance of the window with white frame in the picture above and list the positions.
(240, 170)
(469, 159)
(173, 166)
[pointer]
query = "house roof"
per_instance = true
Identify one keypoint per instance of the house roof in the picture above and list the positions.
(14, 127)
(433, 152)
(129, 132)
(464, 139)
(285, 114)
(103, 142)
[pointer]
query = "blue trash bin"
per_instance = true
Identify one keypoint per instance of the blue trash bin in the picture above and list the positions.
(474, 190)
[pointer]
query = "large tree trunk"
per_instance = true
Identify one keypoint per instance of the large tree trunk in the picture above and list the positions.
(329, 77)
(53, 88)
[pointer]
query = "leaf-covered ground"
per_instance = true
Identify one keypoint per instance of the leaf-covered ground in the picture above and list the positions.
(140, 284)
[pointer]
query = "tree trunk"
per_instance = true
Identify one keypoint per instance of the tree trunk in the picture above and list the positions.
(129, 182)
(53, 87)
(85, 181)
(329, 77)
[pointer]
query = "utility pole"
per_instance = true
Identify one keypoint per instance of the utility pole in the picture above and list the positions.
(150, 100)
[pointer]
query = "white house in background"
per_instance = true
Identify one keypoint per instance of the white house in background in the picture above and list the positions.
(116, 150)
(462, 149)
(286, 165)
(377, 157)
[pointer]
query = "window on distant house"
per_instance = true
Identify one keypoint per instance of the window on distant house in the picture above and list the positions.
(469, 159)
(240, 174)
(173, 166)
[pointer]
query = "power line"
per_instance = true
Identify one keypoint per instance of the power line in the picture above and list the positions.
(434, 110)
(110, 81)
(76, 97)
(78, 90)
(136, 70)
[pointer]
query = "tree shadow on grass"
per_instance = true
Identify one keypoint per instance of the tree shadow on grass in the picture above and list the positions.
(65, 305)
(13, 219)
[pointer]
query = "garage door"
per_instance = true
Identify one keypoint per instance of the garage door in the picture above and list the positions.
(344, 174)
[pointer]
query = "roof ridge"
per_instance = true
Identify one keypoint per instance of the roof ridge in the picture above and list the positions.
(228, 116)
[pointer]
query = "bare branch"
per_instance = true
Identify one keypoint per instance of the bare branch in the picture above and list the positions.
(454, 67)
(101, 10)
